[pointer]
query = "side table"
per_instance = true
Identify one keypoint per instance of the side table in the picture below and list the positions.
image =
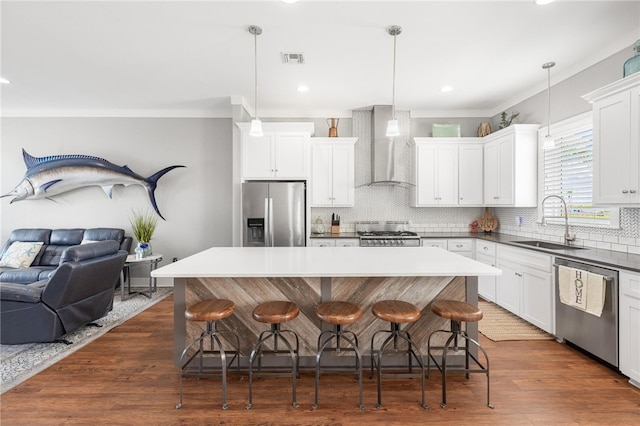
(151, 260)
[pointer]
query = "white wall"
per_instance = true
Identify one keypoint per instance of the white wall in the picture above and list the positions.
(194, 200)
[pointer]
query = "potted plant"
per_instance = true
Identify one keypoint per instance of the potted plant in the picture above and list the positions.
(143, 225)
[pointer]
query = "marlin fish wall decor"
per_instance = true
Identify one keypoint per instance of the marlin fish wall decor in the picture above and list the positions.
(56, 174)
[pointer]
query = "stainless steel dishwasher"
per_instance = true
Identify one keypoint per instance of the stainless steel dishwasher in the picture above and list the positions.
(596, 335)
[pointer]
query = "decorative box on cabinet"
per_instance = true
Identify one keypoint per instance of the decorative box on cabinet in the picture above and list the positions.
(510, 166)
(629, 305)
(332, 172)
(282, 153)
(446, 172)
(616, 142)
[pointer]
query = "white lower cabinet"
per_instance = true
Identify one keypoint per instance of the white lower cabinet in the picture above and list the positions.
(486, 253)
(461, 246)
(432, 242)
(629, 326)
(335, 242)
(526, 285)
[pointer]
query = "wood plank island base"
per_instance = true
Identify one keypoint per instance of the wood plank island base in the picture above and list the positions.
(308, 276)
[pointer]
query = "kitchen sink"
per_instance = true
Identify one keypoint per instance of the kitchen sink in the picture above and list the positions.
(547, 245)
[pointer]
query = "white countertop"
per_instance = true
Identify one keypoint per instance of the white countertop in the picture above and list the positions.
(324, 262)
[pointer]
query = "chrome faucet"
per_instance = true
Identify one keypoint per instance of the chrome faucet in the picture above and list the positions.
(568, 238)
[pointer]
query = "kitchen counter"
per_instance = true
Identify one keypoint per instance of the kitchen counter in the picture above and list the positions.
(308, 276)
(609, 258)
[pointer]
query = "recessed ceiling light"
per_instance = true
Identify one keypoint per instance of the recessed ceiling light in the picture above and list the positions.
(446, 89)
(4, 81)
(543, 2)
(303, 88)
(289, 1)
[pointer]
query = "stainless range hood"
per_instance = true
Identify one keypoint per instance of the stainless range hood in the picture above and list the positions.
(383, 150)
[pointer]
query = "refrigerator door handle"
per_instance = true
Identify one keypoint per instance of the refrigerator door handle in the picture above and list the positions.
(267, 227)
(271, 236)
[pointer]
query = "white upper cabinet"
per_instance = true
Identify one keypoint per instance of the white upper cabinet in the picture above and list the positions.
(470, 174)
(333, 172)
(616, 142)
(437, 172)
(282, 153)
(510, 166)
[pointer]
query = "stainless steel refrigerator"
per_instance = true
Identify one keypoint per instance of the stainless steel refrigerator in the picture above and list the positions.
(273, 214)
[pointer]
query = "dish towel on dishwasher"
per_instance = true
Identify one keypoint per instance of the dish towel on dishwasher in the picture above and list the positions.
(582, 290)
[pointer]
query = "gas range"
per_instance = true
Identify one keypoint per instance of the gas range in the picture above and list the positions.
(386, 234)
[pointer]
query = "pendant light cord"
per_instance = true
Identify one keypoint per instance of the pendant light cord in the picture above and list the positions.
(548, 99)
(393, 90)
(255, 61)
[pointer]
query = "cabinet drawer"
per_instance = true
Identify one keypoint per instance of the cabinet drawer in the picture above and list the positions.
(432, 242)
(348, 242)
(460, 244)
(524, 257)
(485, 248)
(323, 242)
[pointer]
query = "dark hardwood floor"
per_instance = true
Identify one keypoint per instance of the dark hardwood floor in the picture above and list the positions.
(127, 377)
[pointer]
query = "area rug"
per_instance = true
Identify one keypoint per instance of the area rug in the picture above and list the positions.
(20, 362)
(498, 324)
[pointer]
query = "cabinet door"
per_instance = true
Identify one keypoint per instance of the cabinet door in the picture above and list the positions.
(509, 288)
(538, 300)
(506, 173)
(257, 156)
(291, 155)
(427, 167)
(487, 285)
(613, 145)
(447, 170)
(630, 326)
(322, 175)
(491, 170)
(470, 174)
(343, 175)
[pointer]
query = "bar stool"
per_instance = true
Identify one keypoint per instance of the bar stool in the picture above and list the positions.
(275, 313)
(457, 312)
(396, 312)
(338, 314)
(210, 310)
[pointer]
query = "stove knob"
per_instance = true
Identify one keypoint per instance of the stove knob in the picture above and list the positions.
(385, 242)
(401, 242)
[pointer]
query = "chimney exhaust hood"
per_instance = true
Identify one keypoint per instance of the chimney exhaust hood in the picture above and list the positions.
(383, 149)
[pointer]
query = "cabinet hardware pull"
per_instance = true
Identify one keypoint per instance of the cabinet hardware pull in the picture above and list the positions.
(485, 248)
(624, 191)
(633, 191)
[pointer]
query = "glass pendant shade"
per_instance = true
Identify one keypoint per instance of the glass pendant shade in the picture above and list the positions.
(256, 128)
(392, 128)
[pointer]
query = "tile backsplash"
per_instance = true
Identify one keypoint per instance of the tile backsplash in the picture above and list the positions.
(392, 203)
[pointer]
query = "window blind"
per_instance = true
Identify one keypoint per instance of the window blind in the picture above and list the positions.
(568, 173)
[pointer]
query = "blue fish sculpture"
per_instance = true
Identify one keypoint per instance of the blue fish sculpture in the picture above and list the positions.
(53, 175)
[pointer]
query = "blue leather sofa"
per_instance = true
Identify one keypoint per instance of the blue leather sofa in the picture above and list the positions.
(78, 291)
(56, 241)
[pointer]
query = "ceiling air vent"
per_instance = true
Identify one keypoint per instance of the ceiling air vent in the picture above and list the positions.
(292, 58)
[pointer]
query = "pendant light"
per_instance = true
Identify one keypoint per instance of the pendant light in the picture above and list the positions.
(256, 124)
(548, 143)
(392, 127)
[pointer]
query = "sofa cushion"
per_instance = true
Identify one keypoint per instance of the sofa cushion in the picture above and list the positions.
(20, 254)
(51, 255)
(25, 275)
(28, 234)
(66, 237)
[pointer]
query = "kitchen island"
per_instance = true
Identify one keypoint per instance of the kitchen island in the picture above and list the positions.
(311, 275)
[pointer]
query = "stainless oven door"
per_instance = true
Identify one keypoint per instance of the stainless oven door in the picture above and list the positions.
(596, 335)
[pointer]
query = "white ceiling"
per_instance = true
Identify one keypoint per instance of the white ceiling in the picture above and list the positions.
(180, 58)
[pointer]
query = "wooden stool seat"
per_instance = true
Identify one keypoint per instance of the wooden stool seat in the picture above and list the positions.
(210, 310)
(338, 312)
(396, 311)
(275, 312)
(455, 310)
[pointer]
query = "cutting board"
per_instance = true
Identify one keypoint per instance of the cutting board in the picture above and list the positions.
(487, 222)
